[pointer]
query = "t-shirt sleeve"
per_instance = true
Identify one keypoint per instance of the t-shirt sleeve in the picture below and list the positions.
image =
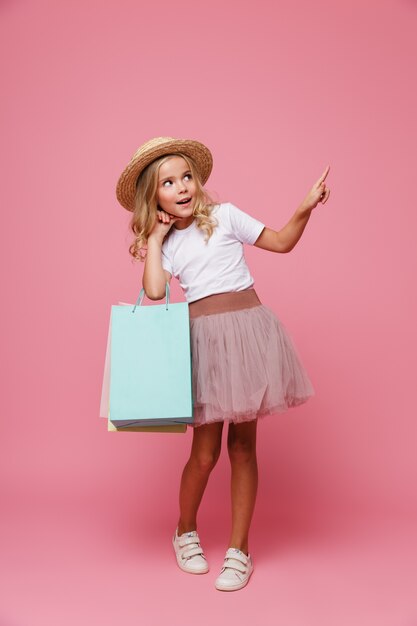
(246, 228)
(166, 262)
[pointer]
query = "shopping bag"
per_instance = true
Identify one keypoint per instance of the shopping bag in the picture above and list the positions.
(170, 428)
(150, 364)
(104, 402)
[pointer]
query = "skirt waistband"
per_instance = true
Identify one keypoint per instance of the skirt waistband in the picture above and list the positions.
(224, 302)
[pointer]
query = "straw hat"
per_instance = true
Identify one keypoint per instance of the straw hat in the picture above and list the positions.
(151, 150)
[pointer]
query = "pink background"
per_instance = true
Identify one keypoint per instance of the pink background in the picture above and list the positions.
(277, 91)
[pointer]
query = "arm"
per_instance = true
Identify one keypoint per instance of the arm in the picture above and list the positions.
(285, 239)
(154, 276)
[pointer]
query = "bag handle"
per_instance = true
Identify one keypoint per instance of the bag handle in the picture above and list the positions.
(142, 295)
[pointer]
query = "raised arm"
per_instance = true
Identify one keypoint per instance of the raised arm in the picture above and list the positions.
(285, 239)
(154, 276)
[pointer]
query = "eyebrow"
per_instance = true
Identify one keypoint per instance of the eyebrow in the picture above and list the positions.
(168, 177)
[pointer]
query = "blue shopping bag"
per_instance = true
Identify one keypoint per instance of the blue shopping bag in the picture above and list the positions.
(150, 354)
(105, 397)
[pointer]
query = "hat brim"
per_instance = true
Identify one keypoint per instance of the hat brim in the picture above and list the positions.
(126, 185)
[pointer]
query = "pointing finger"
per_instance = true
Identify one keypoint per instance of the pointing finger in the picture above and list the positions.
(323, 176)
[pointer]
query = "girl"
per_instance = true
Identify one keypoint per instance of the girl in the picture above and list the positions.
(244, 364)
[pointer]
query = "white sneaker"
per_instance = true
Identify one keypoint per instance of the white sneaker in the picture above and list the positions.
(189, 553)
(236, 570)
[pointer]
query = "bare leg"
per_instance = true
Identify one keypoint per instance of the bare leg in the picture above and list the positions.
(205, 452)
(241, 443)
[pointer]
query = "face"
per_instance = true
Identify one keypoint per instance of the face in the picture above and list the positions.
(176, 183)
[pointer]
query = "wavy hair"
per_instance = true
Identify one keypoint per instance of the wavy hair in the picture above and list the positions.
(145, 213)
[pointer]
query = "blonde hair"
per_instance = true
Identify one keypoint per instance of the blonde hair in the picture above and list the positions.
(146, 206)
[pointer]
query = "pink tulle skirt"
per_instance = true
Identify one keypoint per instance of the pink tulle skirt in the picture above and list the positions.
(244, 363)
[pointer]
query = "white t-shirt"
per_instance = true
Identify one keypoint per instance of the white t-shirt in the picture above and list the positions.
(217, 266)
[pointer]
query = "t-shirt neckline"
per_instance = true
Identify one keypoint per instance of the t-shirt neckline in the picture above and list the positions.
(179, 231)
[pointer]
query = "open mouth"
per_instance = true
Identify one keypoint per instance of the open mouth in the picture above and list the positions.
(185, 202)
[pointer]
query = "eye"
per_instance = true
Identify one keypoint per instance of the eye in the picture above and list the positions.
(166, 181)
(188, 176)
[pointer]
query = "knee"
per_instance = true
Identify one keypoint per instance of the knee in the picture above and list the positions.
(205, 461)
(241, 450)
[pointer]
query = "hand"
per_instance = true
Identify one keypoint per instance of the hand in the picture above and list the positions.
(163, 224)
(319, 193)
